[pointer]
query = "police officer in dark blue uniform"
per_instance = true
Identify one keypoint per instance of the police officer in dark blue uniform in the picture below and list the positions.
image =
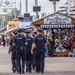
(34, 52)
(12, 49)
(28, 52)
(39, 43)
(20, 42)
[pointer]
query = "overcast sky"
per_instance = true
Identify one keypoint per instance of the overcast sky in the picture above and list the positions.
(46, 6)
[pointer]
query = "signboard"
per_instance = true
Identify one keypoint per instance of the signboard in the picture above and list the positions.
(20, 18)
(36, 8)
(13, 22)
(27, 15)
(57, 19)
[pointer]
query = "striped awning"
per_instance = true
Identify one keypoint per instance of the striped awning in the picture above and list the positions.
(58, 26)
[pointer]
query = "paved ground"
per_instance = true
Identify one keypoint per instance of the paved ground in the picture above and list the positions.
(53, 66)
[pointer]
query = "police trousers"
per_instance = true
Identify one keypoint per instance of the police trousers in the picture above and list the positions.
(28, 60)
(13, 58)
(34, 60)
(20, 59)
(40, 60)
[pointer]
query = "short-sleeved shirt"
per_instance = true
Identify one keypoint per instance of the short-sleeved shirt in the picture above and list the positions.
(40, 41)
(29, 41)
(20, 41)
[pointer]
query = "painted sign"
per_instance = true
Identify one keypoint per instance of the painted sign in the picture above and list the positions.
(57, 19)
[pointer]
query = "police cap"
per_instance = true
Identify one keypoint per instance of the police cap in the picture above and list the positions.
(26, 31)
(20, 30)
(15, 32)
(23, 29)
(39, 30)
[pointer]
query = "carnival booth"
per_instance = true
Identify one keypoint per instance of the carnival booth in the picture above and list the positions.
(12, 25)
(58, 28)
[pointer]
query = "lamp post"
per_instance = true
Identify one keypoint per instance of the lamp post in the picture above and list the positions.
(20, 7)
(36, 4)
(26, 14)
(36, 9)
(15, 9)
(54, 3)
(26, 6)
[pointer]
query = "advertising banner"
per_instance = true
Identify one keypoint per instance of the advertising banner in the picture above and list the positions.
(57, 19)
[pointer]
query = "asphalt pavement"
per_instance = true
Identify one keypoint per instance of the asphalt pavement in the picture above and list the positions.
(53, 65)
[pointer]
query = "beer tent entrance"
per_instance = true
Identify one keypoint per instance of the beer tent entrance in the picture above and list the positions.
(57, 23)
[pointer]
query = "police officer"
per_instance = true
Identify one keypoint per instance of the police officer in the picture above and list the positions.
(39, 43)
(34, 52)
(20, 42)
(12, 49)
(28, 52)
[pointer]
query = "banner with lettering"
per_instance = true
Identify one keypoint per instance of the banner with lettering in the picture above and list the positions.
(57, 19)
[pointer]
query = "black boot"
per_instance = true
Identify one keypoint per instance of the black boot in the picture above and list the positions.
(23, 71)
(14, 70)
(42, 71)
(26, 69)
(19, 71)
(30, 71)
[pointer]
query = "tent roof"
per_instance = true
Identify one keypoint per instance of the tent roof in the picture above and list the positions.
(41, 19)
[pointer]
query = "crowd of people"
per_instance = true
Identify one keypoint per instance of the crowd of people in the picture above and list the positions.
(60, 39)
(27, 53)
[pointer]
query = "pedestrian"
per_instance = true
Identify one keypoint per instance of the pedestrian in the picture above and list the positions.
(12, 49)
(39, 43)
(20, 42)
(3, 41)
(28, 52)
